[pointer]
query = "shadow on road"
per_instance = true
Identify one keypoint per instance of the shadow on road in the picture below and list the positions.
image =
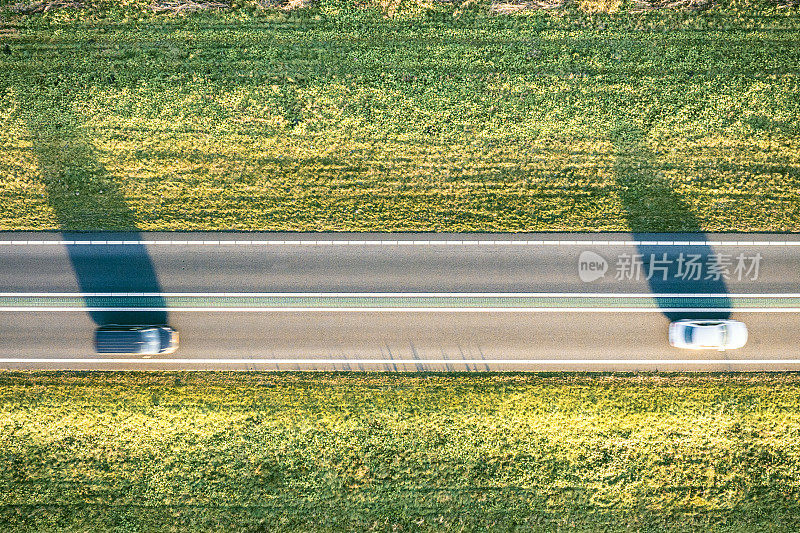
(652, 206)
(84, 196)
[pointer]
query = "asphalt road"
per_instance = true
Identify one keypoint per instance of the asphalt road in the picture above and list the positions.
(436, 302)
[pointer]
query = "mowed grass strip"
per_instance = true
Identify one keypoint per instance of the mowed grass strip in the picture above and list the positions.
(399, 452)
(337, 117)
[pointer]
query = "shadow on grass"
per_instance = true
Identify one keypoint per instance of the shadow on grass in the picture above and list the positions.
(652, 206)
(84, 196)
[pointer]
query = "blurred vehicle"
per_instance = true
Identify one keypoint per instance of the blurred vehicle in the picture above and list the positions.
(707, 334)
(138, 340)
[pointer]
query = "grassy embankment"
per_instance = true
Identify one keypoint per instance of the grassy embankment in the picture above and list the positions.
(338, 118)
(271, 452)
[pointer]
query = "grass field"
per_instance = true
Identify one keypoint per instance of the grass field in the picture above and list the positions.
(446, 117)
(325, 452)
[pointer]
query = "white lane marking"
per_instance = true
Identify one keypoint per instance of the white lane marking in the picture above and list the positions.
(393, 295)
(430, 242)
(638, 362)
(414, 309)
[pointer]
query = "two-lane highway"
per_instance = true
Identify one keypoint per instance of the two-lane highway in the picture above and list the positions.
(399, 301)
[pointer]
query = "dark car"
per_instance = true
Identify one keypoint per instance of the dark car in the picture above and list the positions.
(139, 340)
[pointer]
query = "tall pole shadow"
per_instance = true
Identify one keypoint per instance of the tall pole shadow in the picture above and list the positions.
(652, 206)
(84, 196)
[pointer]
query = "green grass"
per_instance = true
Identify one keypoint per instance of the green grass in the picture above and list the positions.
(325, 452)
(337, 118)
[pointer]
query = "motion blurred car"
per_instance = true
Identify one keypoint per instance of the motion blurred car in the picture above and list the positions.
(136, 340)
(707, 334)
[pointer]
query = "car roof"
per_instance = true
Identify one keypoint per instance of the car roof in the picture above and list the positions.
(707, 337)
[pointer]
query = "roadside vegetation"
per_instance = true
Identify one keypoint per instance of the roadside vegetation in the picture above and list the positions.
(398, 452)
(400, 115)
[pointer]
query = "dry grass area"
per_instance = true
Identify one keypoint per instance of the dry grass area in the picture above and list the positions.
(650, 5)
(180, 6)
(287, 5)
(508, 8)
(28, 8)
(498, 7)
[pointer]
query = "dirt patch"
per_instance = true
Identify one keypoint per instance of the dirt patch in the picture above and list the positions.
(181, 6)
(507, 8)
(287, 5)
(692, 5)
(606, 6)
(28, 8)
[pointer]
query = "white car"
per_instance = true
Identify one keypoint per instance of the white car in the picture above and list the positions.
(707, 334)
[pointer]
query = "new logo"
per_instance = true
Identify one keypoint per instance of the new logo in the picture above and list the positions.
(591, 266)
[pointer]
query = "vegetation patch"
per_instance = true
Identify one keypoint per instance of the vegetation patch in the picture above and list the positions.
(442, 117)
(396, 452)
